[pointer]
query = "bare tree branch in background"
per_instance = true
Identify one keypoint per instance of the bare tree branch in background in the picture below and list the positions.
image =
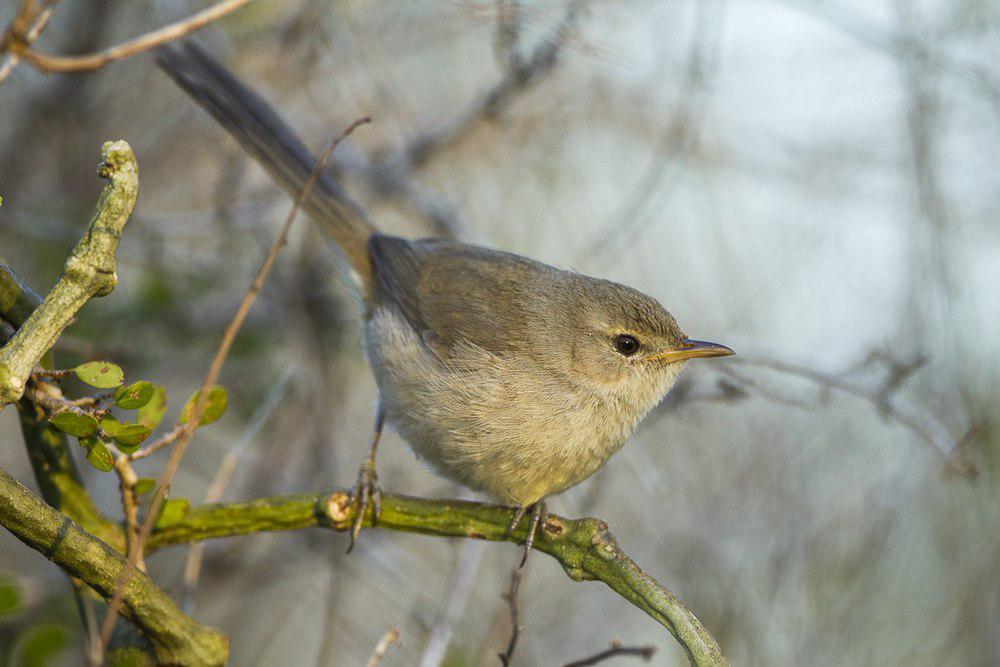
(224, 473)
(29, 22)
(881, 395)
(463, 581)
(393, 178)
(645, 653)
(390, 638)
(515, 614)
(677, 141)
(18, 41)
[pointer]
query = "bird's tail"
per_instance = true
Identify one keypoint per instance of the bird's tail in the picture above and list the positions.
(262, 132)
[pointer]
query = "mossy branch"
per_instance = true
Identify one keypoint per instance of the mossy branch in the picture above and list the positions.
(584, 547)
(177, 639)
(89, 272)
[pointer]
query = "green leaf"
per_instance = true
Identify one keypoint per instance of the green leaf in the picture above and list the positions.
(110, 425)
(10, 596)
(144, 485)
(135, 395)
(218, 398)
(151, 414)
(100, 374)
(129, 436)
(40, 645)
(98, 454)
(79, 424)
(172, 512)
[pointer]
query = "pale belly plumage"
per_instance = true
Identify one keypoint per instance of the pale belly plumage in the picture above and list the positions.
(497, 425)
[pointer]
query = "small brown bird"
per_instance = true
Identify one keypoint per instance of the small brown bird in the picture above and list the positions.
(512, 377)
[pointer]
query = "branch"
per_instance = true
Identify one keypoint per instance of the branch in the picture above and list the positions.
(89, 272)
(17, 301)
(176, 638)
(617, 650)
(58, 477)
(86, 63)
(198, 409)
(584, 547)
(28, 24)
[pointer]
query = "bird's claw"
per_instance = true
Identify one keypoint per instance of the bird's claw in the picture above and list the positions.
(366, 492)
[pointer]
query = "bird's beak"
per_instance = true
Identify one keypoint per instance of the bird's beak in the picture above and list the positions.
(693, 349)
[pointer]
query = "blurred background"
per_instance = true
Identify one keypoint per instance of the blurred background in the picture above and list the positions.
(815, 184)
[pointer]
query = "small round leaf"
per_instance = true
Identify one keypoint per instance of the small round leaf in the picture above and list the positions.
(218, 398)
(100, 374)
(129, 436)
(151, 414)
(110, 425)
(135, 395)
(98, 454)
(74, 423)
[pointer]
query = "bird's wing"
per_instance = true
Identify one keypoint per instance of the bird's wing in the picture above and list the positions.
(454, 292)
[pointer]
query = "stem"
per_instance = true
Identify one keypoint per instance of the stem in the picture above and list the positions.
(89, 272)
(176, 638)
(584, 547)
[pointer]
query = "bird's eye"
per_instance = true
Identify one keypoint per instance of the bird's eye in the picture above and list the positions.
(626, 344)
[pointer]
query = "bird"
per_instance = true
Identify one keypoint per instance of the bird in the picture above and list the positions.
(512, 377)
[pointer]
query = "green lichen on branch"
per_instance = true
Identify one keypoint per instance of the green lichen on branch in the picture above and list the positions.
(176, 638)
(89, 272)
(584, 547)
(58, 477)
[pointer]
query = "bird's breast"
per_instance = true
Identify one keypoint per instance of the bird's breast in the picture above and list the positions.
(497, 424)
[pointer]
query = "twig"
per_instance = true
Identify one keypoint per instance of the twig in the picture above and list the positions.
(616, 650)
(192, 567)
(519, 76)
(463, 581)
(89, 62)
(130, 509)
(37, 22)
(165, 440)
(390, 638)
(210, 377)
(918, 422)
(89, 272)
(176, 638)
(515, 615)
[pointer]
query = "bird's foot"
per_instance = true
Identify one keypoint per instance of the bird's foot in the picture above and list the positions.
(538, 515)
(366, 492)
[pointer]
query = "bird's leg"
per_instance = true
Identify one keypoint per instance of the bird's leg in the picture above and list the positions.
(537, 517)
(367, 488)
(518, 513)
